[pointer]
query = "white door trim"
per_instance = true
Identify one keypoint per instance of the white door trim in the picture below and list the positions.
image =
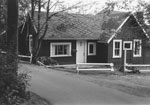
(81, 44)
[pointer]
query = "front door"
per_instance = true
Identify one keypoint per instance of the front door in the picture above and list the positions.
(81, 54)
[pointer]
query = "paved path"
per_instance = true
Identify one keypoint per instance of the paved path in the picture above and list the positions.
(63, 89)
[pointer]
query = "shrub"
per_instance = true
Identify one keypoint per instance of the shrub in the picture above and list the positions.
(47, 60)
(134, 70)
(12, 85)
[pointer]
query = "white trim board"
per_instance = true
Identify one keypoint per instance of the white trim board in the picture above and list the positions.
(118, 29)
(140, 26)
(124, 23)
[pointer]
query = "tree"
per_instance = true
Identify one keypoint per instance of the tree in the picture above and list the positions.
(2, 16)
(12, 84)
(12, 30)
(52, 8)
(131, 6)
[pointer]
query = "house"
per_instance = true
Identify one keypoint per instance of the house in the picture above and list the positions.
(128, 34)
(78, 38)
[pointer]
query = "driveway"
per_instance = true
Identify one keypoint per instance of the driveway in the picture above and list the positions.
(61, 88)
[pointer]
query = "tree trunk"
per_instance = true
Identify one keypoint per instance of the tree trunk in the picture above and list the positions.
(12, 37)
(36, 37)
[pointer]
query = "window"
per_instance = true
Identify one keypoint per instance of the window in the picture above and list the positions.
(127, 45)
(91, 48)
(137, 48)
(117, 48)
(60, 49)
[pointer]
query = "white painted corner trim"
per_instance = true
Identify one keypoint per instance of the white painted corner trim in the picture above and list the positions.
(146, 34)
(118, 29)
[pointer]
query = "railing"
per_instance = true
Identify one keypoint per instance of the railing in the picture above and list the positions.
(139, 65)
(20, 56)
(24, 56)
(94, 67)
(3, 52)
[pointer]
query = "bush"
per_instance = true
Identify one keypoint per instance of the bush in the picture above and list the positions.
(47, 60)
(12, 85)
(134, 70)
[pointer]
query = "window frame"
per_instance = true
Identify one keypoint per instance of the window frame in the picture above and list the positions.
(52, 54)
(127, 42)
(120, 49)
(94, 48)
(140, 51)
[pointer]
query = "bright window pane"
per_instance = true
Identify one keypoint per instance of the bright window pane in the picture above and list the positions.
(117, 52)
(61, 49)
(137, 47)
(117, 48)
(91, 48)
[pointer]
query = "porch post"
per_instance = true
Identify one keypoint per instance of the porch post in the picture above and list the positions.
(125, 60)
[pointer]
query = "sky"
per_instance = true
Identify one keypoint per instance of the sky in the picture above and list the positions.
(99, 5)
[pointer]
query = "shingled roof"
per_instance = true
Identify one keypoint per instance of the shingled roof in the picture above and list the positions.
(81, 26)
(111, 23)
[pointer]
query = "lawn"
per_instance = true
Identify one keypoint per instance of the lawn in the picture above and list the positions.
(134, 84)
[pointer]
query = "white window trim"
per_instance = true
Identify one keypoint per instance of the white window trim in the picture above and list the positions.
(140, 53)
(94, 49)
(65, 43)
(128, 42)
(120, 55)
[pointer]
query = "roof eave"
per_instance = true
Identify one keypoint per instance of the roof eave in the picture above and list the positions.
(109, 40)
(70, 39)
(146, 34)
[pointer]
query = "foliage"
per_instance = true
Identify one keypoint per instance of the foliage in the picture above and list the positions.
(12, 86)
(55, 7)
(147, 13)
(47, 60)
(2, 15)
(134, 70)
(130, 6)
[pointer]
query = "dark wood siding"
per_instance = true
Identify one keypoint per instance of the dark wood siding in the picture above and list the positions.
(45, 51)
(117, 61)
(91, 58)
(146, 55)
(130, 31)
(102, 52)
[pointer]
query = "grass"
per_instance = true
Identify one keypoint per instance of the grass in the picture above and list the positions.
(130, 83)
(36, 100)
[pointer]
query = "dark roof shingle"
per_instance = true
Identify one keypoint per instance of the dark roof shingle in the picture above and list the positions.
(79, 26)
